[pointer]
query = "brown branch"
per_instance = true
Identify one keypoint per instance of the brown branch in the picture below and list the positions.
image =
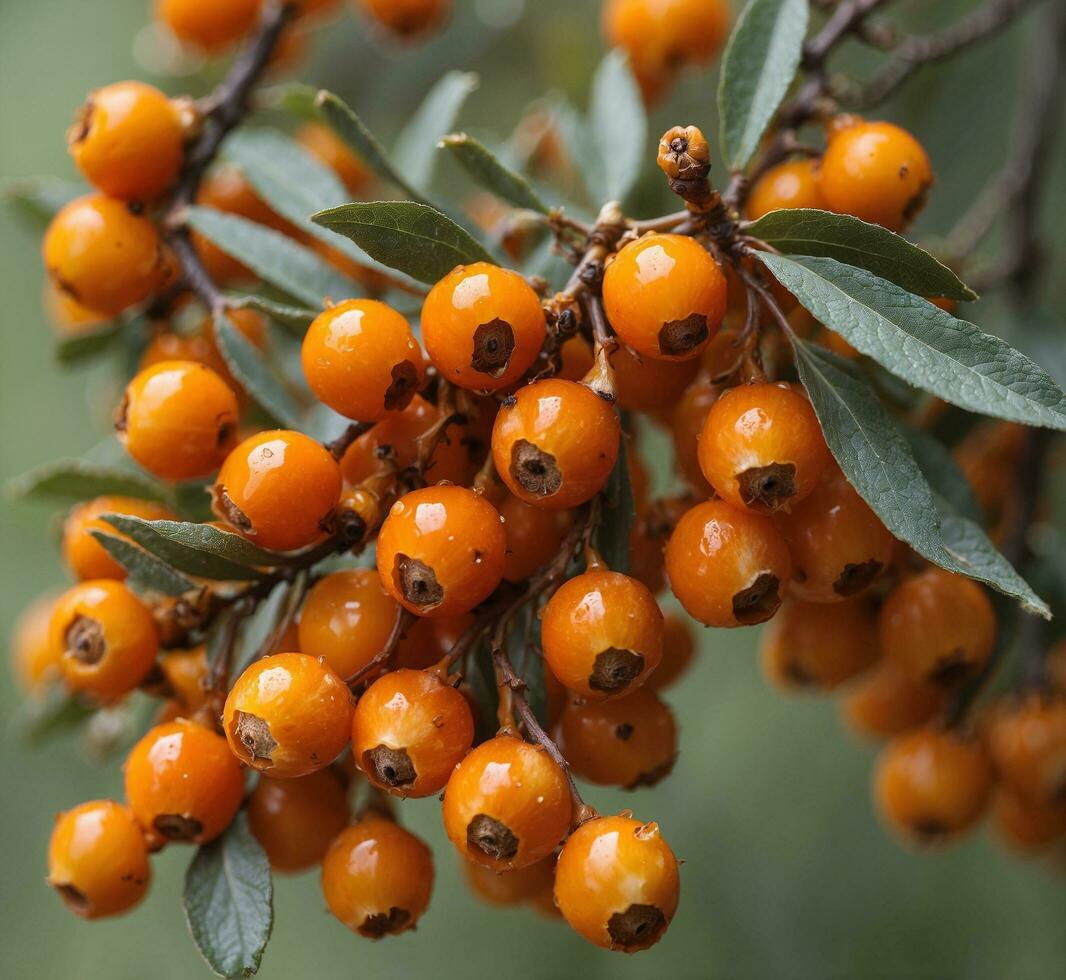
(404, 619)
(339, 446)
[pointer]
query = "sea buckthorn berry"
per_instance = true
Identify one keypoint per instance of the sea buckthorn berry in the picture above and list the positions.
(762, 448)
(665, 296)
(602, 634)
(34, 660)
(328, 148)
(887, 701)
(69, 317)
(507, 804)
(534, 536)
(792, 184)
(576, 360)
(409, 731)
(347, 619)
(98, 859)
(429, 640)
(127, 140)
(932, 785)
(875, 171)
(361, 359)
(679, 647)
(408, 18)
(684, 153)
(377, 878)
(511, 887)
(630, 742)
(84, 555)
(211, 26)
(839, 545)
(107, 638)
(556, 443)
(686, 426)
(616, 883)
(814, 646)
(1024, 826)
(483, 326)
(183, 784)
(103, 255)
(288, 715)
(647, 384)
(185, 673)
(440, 551)
(727, 567)
(1027, 743)
(296, 819)
(279, 489)
(938, 626)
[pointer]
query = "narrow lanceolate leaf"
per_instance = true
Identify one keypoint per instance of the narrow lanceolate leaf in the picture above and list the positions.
(81, 479)
(619, 125)
(274, 257)
(145, 570)
(82, 346)
(415, 150)
(758, 66)
(619, 511)
(229, 901)
(922, 344)
(478, 161)
(807, 231)
(212, 541)
(248, 366)
(38, 720)
(943, 474)
(414, 238)
(295, 318)
(41, 197)
(170, 549)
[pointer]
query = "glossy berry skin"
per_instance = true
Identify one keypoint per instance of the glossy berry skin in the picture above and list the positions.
(646, 384)
(932, 785)
(686, 425)
(347, 619)
(83, 554)
(679, 647)
(409, 731)
(937, 626)
(127, 140)
(602, 634)
(534, 536)
(98, 859)
(440, 551)
(839, 545)
(213, 26)
(616, 883)
(103, 256)
(279, 489)
(178, 419)
(507, 804)
(727, 567)
(876, 171)
(483, 326)
(555, 444)
(429, 640)
(288, 715)
(34, 660)
(665, 296)
(792, 184)
(107, 639)
(887, 701)
(327, 147)
(183, 784)
(361, 359)
(1027, 743)
(295, 820)
(816, 647)
(512, 887)
(185, 672)
(377, 878)
(1027, 828)
(761, 447)
(407, 18)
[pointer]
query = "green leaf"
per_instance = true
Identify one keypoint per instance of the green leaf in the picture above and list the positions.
(619, 125)
(943, 473)
(229, 901)
(415, 149)
(81, 479)
(248, 366)
(922, 344)
(619, 512)
(146, 572)
(210, 540)
(42, 197)
(296, 271)
(414, 238)
(39, 720)
(807, 231)
(80, 347)
(479, 162)
(295, 318)
(758, 66)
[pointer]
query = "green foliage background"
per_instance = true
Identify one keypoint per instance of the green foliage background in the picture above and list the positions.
(787, 872)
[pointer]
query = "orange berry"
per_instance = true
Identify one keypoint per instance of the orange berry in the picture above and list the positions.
(887, 701)
(727, 567)
(377, 878)
(575, 356)
(185, 673)
(183, 784)
(534, 536)
(792, 184)
(555, 443)
(329, 149)
(409, 731)
(128, 140)
(507, 804)
(647, 384)
(288, 715)
(602, 634)
(211, 26)
(429, 640)
(762, 447)
(440, 551)
(665, 296)
(616, 883)
(408, 18)
(98, 859)
(483, 326)
(510, 887)
(1027, 743)
(1024, 826)
(279, 489)
(679, 647)
(296, 819)
(687, 424)
(34, 660)
(84, 555)
(1055, 667)
(67, 315)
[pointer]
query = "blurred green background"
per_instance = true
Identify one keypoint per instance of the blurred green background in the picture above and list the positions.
(787, 872)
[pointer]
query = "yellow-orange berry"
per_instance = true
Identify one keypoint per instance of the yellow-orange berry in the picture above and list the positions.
(510, 887)
(646, 384)
(534, 536)
(429, 640)
(34, 659)
(887, 701)
(1024, 826)
(328, 148)
(792, 184)
(679, 647)
(212, 26)
(1027, 743)
(408, 18)
(687, 424)
(84, 555)
(185, 673)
